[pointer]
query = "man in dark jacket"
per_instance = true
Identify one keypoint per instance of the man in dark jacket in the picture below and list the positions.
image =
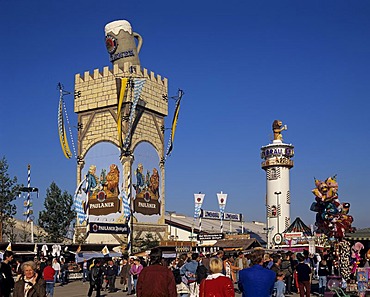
(7, 284)
(95, 279)
(111, 273)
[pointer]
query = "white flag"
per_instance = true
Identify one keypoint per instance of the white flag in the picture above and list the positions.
(221, 199)
(198, 198)
(105, 251)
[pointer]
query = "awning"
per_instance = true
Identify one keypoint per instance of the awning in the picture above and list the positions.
(169, 255)
(80, 257)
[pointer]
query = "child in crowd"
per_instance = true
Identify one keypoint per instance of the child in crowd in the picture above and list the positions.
(323, 272)
(279, 287)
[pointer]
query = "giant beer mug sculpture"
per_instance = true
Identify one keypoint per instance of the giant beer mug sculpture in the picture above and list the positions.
(121, 44)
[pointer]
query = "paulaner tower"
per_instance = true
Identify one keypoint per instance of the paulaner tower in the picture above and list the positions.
(277, 163)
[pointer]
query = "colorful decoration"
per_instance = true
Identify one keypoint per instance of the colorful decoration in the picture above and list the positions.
(119, 110)
(344, 263)
(62, 118)
(355, 256)
(174, 122)
(147, 200)
(332, 217)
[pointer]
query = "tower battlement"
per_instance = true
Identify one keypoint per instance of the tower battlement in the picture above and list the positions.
(116, 71)
(99, 89)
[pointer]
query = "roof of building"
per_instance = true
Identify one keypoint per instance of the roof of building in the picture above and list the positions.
(237, 244)
(299, 226)
(361, 234)
(255, 229)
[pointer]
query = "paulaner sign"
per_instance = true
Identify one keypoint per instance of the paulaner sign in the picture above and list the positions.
(216, 215)
(109, 228)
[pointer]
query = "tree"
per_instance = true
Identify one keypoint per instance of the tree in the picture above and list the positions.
(9, 231)
(147, 243)
(58, 213)
(9, 190)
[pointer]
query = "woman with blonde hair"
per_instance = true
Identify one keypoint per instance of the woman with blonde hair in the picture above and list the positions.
(30, 283)
(216, 284)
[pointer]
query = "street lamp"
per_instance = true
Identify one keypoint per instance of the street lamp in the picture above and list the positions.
(278, 212)
(170, 212)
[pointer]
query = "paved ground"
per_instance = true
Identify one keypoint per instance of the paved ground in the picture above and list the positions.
(79, 289)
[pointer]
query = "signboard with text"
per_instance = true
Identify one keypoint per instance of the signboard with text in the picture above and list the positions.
(216, 215)
(215, 236)
(109, 228)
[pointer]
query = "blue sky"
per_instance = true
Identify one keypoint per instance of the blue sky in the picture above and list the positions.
(242, 64)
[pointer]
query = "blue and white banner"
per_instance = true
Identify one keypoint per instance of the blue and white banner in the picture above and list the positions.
(222, 197)
(79, 203)
(138, 86)
(126, 207)
(198, 200)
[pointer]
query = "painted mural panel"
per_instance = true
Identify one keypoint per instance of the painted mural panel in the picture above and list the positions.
(100, 196)
(146, 184)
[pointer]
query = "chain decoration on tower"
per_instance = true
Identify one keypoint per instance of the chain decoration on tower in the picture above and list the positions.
(62, 118)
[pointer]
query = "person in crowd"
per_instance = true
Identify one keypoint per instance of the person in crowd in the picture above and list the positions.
(286, 268)
(105, 284)
(216, 284)
(48, 275)
(276, 261)
(63, 272)
(85, 271)
(240, 262)
(206, 260)
(18, 268)
(7, 283)
(111, 273)
(323, 273)
(304, 274)
(220, 254)
(202, 271)
(316, 261)
(135, 272)
(294, 262)
(42, 265)
(56, 267)
(130, 280)
(267, 261)
(124, 274)
(279, 287)
(256, 280)
(229, 268)
(188, 271)
(156, 279)
(96, 278)
(30, 283)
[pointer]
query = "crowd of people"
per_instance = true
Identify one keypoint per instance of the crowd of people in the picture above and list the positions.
(189, 275)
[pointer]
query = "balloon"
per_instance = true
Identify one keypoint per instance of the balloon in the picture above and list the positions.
(332, 216)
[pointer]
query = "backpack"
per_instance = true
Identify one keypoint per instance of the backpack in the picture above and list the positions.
(201, 273)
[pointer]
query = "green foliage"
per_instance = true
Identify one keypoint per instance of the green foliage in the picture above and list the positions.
(9, 190)
(146, 243)
(58, 213)
(9, 230)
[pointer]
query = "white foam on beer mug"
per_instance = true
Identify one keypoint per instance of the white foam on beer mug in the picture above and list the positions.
(116, 26)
